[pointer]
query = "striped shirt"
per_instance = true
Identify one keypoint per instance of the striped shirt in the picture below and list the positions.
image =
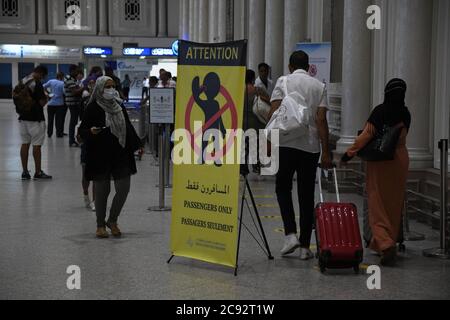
(70, 84)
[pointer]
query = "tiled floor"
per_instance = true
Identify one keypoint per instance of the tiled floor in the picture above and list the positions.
(44, 229)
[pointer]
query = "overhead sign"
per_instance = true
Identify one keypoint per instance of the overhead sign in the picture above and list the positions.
(149, 52)
(162, 106)
(133, 65)
(210, 97)
(319, 59)
(98, 51)
(39, 52)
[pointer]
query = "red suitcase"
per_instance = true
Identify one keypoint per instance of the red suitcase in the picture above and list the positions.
(339, 243)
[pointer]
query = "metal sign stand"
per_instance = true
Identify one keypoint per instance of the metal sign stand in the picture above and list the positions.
(443, 251)
(259, 226)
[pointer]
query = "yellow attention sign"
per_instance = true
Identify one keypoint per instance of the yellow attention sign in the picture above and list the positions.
(210, 100)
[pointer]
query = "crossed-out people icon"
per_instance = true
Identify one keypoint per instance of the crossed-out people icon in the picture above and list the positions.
(211, 107)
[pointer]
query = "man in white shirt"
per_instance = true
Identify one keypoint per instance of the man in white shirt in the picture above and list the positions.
(302, 155)
(166, 81)
(145, 88)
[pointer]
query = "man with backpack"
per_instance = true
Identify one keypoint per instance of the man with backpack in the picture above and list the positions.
(301, 155)
(30, 98)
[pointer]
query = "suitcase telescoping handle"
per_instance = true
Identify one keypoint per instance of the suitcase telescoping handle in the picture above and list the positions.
(319, 176)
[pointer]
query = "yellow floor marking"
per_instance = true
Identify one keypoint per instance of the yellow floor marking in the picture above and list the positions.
(264, 197)
(267, 206)
(271, 217)
(364, 266)
(274, 216)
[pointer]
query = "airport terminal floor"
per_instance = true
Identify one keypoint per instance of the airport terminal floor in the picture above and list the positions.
(45, 228)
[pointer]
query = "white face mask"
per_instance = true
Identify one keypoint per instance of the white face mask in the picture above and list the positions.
(110, 94)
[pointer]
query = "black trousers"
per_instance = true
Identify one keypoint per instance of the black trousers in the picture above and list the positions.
(74, 119)
(126, 93)
(305, 165)
(56, 117)
(145, 93)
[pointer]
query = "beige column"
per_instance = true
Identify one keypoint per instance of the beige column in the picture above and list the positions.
(191, 19)
(315, 20)
(162, 18)
(274, 41)
(42, 17)
(184, 20)
(256, 37)
(222, 21)
(441, 75)
(412, 62)
(213, 21)
(203, 21)
(356, 73)
(102, 18)
(240, 19)
(295, 27)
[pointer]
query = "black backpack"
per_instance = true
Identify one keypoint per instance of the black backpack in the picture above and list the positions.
(23, 97)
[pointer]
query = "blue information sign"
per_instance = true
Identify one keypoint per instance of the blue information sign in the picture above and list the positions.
(98, 51)
(149, 52)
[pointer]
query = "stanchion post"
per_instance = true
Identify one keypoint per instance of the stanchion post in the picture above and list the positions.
(150, 134)
(167, 157)
(161, 171)
(162, 206)
(442, 252)
(142, 119)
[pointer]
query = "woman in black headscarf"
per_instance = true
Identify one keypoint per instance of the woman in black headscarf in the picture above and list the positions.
(110, 145)
(386, 180)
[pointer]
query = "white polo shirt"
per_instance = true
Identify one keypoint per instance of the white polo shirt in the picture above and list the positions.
(268, 89)
(316, 97)
(170, 84)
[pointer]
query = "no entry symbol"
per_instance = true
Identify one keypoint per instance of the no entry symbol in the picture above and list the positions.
(213, 115)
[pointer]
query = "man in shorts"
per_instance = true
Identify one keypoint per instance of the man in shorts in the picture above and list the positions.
(32, 125)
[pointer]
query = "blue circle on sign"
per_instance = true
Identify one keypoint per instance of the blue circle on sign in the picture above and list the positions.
(175, 48)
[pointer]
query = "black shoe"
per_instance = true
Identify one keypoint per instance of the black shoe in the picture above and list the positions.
(74, 145)
(42, 176)
(26, 176)
(389, 257)
(257, 169)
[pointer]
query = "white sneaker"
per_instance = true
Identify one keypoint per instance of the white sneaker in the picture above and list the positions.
(306, 254)
(92, 206)
(291, 244)
(87, 202)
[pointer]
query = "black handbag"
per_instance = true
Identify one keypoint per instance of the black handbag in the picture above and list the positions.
(383, 145)
(134, 143)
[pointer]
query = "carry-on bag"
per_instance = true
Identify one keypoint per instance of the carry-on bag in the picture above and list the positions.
(338, 236)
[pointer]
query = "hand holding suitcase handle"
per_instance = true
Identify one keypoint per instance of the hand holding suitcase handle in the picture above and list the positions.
(319, 176)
